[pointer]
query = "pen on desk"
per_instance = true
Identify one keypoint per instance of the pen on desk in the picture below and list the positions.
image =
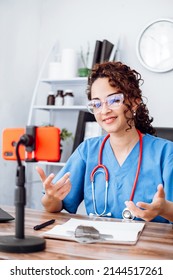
(37, 227)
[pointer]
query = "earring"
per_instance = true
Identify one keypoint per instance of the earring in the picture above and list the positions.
(134, 113)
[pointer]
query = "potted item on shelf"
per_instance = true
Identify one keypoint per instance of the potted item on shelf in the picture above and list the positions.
(84, 71)
(65, 135)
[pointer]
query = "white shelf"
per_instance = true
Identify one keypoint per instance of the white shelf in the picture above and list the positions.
(54, 107)
(51, 163)
(76, 81)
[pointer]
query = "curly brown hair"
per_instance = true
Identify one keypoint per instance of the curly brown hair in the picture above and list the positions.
(128, 81)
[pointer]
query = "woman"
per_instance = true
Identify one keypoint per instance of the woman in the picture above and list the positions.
(138, 164)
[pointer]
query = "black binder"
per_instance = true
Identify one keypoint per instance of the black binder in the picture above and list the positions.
(83, 117)
(106, 50)
(97, 52)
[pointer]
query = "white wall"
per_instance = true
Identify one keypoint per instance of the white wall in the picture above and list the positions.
(29, 28)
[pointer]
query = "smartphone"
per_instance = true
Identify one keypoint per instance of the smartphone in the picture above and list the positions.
(47, 144)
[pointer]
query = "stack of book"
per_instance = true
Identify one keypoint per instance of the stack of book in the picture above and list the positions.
(103, 51)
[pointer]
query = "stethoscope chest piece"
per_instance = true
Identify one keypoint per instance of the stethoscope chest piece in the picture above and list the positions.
(127, 214)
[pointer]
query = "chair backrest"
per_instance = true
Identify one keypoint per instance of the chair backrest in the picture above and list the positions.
(80, 129)
(165, 132)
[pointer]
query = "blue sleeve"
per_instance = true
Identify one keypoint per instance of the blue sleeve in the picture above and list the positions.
(76, 166)
(168, 176)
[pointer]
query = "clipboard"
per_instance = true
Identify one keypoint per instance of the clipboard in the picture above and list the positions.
(118, 232)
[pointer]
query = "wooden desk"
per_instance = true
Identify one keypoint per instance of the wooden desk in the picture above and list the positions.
(156, 241)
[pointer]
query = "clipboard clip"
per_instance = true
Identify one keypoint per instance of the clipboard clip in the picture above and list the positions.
(89, 234)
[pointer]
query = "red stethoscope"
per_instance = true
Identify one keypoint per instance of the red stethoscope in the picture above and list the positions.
(126, 214)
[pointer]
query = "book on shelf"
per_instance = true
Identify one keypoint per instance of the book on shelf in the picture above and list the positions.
(102, 51)
(106, 50)
(97, 52)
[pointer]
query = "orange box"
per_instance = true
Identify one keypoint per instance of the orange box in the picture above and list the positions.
(47, 144)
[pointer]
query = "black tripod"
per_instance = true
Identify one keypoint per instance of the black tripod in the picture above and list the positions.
(21, 243)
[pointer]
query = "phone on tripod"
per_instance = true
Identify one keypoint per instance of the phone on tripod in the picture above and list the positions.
(47, 144)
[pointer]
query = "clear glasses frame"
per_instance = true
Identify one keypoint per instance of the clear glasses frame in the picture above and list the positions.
(113, 101)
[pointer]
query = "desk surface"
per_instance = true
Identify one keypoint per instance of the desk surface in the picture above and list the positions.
(156, 241)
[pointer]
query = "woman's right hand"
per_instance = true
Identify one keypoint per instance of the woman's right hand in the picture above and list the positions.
(54, 193)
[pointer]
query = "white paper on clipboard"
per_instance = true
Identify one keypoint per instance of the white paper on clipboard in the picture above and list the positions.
(122, 232)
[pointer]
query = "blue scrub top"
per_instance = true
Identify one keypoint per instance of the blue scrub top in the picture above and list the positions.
(156, 168)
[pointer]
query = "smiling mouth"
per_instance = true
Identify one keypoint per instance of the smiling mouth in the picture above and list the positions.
(109, 120)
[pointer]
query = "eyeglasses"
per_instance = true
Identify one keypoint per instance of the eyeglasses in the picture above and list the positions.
(113, 101)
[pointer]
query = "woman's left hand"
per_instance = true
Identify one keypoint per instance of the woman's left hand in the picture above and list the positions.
(148, 211)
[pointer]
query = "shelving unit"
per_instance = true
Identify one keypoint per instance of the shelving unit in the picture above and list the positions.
(41, 114)
(58, 116)
(77, 84)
